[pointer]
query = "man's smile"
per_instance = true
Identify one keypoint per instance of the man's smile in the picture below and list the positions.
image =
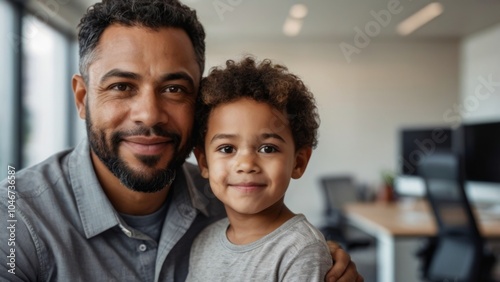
(147, 145)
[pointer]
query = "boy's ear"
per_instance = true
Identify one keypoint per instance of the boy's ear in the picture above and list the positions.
(202, 161)
(302, 157)
(80, 93)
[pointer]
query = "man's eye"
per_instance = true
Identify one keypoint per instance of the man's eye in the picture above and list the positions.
(226, 149)
(120, 87)
(267, 149)
(174, 89)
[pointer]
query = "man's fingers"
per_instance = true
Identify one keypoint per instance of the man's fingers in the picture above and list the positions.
(333, 246)
(350, 275)
(343, 269)
(341, 261)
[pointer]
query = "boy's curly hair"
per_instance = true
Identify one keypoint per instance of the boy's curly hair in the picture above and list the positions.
(263, 82)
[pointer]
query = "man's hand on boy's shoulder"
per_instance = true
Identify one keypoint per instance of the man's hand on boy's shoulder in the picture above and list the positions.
(343, 269)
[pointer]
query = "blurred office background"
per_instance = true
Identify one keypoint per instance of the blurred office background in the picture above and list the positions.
(371, 75)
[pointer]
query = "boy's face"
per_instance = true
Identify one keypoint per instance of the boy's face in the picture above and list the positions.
(250, 156)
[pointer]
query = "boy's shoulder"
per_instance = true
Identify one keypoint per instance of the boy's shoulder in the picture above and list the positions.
(214, 229)
(298, 232)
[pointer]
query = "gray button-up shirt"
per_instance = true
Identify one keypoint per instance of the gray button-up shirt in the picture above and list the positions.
(57, 224)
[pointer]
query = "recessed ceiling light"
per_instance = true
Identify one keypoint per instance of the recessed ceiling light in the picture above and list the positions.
(292, 26)
(298, 11)
(420, 18)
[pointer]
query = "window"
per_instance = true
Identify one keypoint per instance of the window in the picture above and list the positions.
(46, 91)
(8, 88)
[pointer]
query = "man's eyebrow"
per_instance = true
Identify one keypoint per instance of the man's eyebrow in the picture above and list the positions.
(119, 73)
(177, 76)
(131, 75)
(222, 136)
(265, 136)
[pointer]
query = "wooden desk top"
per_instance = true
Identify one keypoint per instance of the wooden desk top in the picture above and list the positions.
(413, 219)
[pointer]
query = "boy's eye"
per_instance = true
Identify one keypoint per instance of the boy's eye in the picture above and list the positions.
(267, 149)
(226, 149)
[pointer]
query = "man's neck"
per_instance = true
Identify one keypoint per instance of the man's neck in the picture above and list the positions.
(123, 199)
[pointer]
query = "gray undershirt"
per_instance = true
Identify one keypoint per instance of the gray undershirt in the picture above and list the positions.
(150, 224)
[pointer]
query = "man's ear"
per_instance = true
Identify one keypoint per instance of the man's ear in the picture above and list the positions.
(302, 157)
(199, 153)
(80, 93)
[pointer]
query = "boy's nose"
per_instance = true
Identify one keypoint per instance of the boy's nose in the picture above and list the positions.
(246, 163)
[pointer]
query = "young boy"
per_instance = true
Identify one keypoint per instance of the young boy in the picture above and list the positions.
(257, 126)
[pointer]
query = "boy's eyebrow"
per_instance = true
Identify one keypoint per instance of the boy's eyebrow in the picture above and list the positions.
(272, 135)
(263, 136)
(222, 136)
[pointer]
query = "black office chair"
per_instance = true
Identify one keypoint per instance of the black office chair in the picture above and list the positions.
(457, 253)
(337, 191)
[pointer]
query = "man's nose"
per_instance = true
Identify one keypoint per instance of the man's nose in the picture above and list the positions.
(148, 109)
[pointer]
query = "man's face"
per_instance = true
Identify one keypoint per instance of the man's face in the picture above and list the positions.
(139, 104)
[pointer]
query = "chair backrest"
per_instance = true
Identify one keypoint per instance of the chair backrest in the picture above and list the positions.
(337, 190)
(443, 176)
(460, 246)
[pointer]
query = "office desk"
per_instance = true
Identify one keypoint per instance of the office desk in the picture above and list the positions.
(399, 228)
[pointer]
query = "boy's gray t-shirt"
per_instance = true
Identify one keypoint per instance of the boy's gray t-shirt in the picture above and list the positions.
(296, 251)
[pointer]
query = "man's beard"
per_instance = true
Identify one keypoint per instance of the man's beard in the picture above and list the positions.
(140, 181)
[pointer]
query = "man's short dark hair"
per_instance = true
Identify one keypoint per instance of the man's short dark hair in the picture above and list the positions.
(263, 82)
(152, 14)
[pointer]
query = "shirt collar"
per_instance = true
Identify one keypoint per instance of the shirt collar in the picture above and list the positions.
(197, 188)
(90, 198)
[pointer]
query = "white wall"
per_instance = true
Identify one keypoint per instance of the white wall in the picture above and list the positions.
(480, 61)
(362, 104)
(480, 91)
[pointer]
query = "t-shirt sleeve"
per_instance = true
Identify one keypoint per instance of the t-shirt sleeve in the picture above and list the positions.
(310, 264)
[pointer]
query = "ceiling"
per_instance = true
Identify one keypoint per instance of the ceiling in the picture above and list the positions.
(326, 19)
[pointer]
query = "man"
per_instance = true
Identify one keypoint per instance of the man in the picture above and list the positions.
(122, 206)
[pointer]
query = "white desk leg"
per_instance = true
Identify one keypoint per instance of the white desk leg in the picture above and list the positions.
(386, 260)
(396, 259)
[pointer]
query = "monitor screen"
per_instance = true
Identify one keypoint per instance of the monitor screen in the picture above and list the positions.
(482, 152)
(417, 143)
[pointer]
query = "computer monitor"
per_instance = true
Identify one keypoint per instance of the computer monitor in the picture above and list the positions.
(482, 152)
(417, 143)
(414, 145)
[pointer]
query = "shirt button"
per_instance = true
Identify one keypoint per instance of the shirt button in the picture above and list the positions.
(142, 247)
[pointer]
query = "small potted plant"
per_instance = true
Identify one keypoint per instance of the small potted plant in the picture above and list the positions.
(386, 194)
